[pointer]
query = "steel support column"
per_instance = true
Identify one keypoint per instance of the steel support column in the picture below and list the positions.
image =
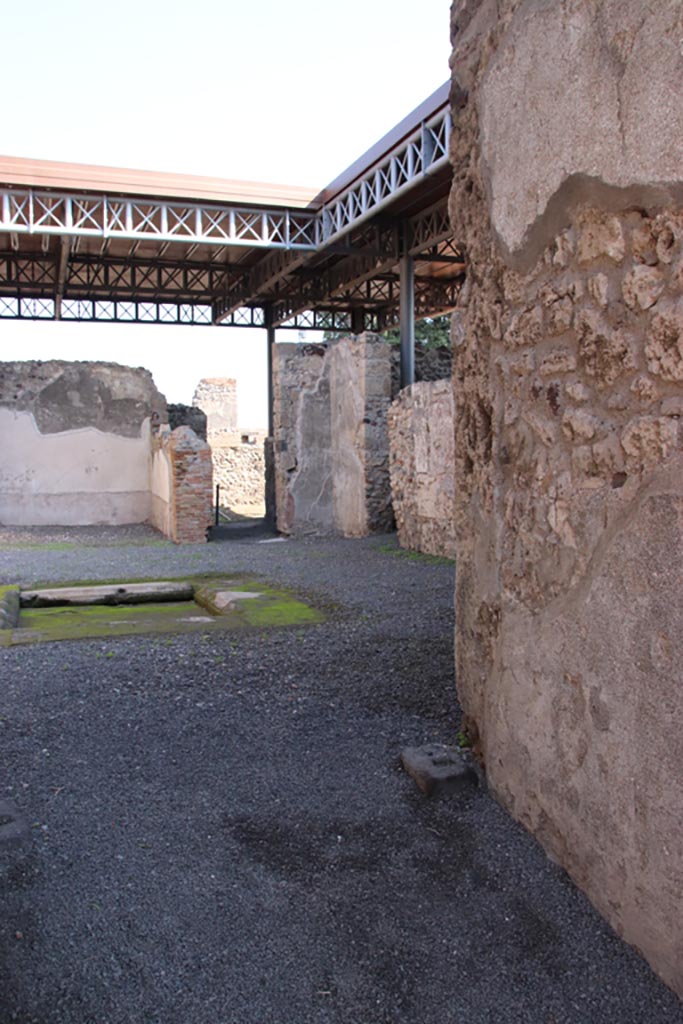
(407, 320)
(270, 341)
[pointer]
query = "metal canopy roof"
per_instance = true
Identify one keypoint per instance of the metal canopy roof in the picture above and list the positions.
(95, 243)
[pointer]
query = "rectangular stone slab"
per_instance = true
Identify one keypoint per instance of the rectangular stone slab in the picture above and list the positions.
(111, 593)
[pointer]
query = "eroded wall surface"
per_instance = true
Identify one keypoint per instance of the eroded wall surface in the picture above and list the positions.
(421, 457)
(331, 448)
(76, 443)
(217, 399)
(568, 385)
(239, 469)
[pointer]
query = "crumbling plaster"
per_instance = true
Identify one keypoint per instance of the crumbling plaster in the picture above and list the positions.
(568, 365)
(331, 448)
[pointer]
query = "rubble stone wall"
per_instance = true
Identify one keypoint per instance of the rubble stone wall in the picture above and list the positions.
(331, 445)
(421, 461)
(217, 398)
(568, 382)
(240, 471)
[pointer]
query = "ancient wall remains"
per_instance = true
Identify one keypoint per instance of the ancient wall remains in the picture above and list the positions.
(421, 460)
(180, 415)
(330, 444)
(217, 398)
(181, 485)
(76, 442)
(84, 443)
(568, 376)
(239, 470)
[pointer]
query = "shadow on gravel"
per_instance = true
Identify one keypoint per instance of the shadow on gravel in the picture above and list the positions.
(243, 529)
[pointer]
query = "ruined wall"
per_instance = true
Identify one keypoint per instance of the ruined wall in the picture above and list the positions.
(217, 398)
(421, 460)
(181, 485)
(180, 415)
(240, 471)
(331, 445)
(430, 364)
(76, 443)
(568, 384)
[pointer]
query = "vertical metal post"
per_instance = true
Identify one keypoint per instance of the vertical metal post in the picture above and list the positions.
(407, 320)
(358, 320)
(270, 341)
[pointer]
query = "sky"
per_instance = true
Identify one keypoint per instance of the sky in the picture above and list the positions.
(286, 92)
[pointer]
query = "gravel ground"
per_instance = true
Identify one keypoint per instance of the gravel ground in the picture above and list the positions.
(221, 834)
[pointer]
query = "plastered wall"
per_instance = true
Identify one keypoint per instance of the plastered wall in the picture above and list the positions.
(421, 462)
(568, 390)
(331, 448)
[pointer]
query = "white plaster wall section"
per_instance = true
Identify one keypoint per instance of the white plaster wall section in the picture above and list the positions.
(161, 490)
(74, 477)
(347, 403)
(564, 76)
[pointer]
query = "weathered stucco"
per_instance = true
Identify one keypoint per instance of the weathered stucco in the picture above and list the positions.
(563, 76)
(421, 460)
(568, 374)
(71, 478)
(331, 446)
(76, 442)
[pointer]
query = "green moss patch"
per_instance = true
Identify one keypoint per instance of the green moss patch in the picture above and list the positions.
(268, 607)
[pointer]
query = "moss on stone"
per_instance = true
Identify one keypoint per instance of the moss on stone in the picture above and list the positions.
(271, 608)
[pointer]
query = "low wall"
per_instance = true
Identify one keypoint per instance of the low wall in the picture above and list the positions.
(421, 464)
(331, 444)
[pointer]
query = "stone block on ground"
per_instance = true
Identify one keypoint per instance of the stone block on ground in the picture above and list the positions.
(438, 769)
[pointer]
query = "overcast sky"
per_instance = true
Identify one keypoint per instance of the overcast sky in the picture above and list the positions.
(288, 92)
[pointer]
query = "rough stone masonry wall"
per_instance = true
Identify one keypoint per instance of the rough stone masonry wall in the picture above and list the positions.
(330, 444)
(217, 398)
(239, 470)
(421, 457)
(568, 377)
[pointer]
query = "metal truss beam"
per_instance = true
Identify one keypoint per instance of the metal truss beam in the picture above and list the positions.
(105, 277)
(102, 311)
(380, 298)
(340, 320)
(27, 211)
(418, 156)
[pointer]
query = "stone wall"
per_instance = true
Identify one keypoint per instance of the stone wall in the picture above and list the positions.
(330, 443)
(180, 415)
(421, 461)
(217, 398)
(430, 364)
(240, 471)
(76, 443)
(568, 376)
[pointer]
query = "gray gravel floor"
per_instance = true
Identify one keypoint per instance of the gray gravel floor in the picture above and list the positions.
(221, 834)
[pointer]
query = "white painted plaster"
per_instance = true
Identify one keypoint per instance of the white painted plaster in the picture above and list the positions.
(72, 478)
